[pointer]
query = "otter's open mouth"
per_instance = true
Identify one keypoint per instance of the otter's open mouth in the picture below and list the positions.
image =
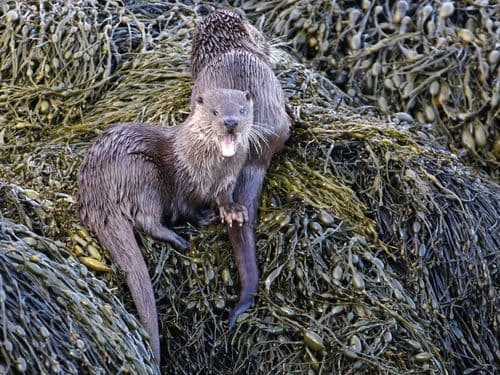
(228, 145)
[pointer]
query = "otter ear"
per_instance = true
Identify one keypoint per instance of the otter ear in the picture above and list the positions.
(248, 95)
(199, 100)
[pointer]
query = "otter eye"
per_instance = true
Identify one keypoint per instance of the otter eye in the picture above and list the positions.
(215, 112)
(243, 110)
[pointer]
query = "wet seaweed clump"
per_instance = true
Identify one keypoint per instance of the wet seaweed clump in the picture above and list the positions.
(58, 57)
(434, 61)
(378, 250)
(56, 317)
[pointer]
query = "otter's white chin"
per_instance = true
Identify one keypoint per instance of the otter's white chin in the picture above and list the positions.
(228, 145)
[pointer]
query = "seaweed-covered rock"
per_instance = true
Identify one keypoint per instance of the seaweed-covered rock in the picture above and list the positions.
(56, 316)
(58, 57)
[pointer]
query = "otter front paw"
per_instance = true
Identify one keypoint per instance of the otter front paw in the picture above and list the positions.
(233, 212)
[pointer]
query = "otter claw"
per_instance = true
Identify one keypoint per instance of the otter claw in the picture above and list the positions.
(180, 243)
(233, 212)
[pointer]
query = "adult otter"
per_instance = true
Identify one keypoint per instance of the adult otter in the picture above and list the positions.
(143, 177)
(228, 52)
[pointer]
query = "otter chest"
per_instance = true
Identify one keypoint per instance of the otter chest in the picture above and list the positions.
(213, 182)
(204, 179)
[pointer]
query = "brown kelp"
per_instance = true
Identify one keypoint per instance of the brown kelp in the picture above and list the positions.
(378, 252)
(437, 61)
(59, 56)
(55, 316)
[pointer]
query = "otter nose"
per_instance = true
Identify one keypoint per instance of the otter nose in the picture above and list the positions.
(230, 124)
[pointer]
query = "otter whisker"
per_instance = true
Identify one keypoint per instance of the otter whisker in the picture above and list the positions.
(264, 129)
(258, 134)
(257, 139)
(253, 141)
(263, 133)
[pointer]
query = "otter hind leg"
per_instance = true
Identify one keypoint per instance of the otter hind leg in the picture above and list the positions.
(162, 233)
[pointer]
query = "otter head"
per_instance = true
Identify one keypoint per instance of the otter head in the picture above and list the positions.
(228, 116)
(223, 31)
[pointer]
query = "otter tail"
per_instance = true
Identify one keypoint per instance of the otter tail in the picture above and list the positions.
(123, 247)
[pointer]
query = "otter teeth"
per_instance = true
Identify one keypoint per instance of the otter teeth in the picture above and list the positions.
(228, 145)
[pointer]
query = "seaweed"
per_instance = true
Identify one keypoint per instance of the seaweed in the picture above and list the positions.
(377, 246)
(435, 63)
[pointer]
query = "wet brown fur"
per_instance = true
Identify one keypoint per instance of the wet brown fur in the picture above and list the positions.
(228, 52)
(145, 177)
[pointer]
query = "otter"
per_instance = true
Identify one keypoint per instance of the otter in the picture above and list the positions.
(147, 177)
(228, 52)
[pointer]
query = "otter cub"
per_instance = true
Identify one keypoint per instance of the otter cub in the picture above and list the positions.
(228, 52)
(145, 177)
